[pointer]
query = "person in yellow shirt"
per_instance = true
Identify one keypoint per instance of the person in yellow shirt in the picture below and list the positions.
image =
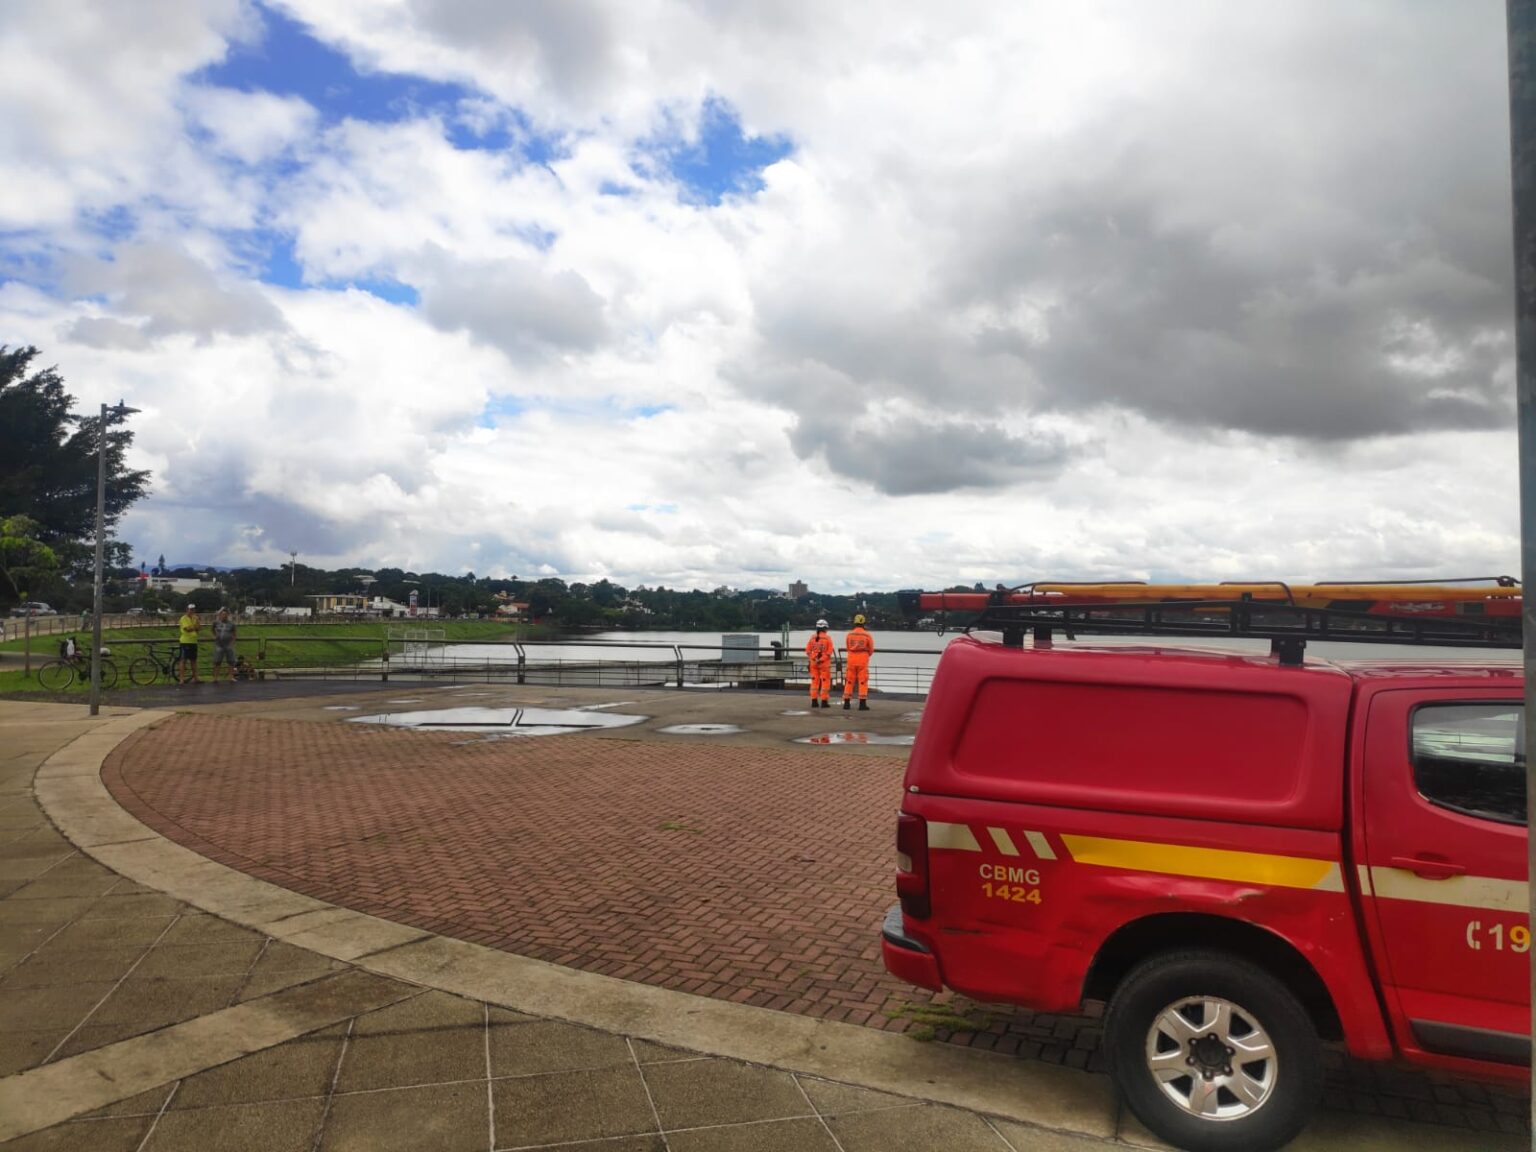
(860, 646)
(819, 651)
(189, 626)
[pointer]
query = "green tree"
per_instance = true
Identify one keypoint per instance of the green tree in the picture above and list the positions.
(48, 460)
(23, 557)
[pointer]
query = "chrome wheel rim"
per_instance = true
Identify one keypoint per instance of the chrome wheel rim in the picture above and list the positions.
(1212, 1058)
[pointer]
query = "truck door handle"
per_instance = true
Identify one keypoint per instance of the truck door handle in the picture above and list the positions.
(1429, 869)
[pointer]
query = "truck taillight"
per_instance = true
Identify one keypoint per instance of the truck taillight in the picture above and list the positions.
(912, 865)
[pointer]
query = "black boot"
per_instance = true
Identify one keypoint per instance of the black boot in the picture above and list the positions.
(847, 705)
(863, 705)
(824, 704)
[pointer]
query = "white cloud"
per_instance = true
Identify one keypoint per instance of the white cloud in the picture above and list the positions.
(251, 126)
(1041, 289)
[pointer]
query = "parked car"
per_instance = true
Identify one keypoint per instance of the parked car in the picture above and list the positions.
(1241, 855)
(33, 608)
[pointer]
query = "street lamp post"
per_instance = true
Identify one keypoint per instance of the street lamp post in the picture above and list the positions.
(120, 412)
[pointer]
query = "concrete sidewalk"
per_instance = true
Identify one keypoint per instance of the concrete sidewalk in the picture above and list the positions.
(152, 999)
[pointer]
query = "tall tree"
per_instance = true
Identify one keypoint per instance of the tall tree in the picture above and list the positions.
(23, 558)
(48, 459)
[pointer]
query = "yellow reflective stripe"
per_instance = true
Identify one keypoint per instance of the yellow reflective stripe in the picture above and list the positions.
(1458, 891)
(1003, 842)
(1206, 863)
(958, 836)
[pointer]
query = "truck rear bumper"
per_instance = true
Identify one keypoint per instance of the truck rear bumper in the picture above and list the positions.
(906, 958)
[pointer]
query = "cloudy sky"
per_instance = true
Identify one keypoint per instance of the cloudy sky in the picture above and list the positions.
(873, 295)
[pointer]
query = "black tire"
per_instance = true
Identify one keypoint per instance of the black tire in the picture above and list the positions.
(143, 671)
(108, 674)
(1274, 1097)
(56, 675)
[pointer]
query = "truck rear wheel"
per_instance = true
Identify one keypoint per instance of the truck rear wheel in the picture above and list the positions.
(1212, 1053)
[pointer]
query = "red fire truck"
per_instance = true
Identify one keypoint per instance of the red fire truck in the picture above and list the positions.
(1244, 853)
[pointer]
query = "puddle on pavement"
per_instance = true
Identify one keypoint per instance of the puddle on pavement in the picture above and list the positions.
(407, 700)
(855, 738)
(911, 717)
(701, 729)
(597, 707)
(795, 712)
(495, 723)
(343, 707)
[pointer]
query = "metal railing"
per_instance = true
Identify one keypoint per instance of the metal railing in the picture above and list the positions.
(19, 627)
(550, 663)
(662, 664)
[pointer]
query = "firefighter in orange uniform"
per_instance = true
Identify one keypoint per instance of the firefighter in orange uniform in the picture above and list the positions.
(860, 646)
(819, 651)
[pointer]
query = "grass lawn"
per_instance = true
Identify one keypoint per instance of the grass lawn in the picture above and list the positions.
(279, 644)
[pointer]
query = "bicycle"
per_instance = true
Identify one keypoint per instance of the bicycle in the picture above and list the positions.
(59, 674)
(146, 669)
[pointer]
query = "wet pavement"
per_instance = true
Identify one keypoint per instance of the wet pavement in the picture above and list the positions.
(266, 1033)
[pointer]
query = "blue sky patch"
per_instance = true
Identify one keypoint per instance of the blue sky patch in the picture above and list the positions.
(288, 61)
(724, 161)
(500, 408)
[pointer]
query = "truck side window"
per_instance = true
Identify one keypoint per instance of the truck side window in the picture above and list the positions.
(1470, 758)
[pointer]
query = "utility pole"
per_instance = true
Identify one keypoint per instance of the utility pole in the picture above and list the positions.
(120, 412)
(1521, 17)
(293, 568)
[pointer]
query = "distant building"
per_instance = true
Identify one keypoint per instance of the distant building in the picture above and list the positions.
(511, 609)
(384, 606)
(181, 585)
(798, 591)
(339, 604)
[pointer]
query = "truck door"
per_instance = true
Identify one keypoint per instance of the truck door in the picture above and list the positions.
(1444, 866)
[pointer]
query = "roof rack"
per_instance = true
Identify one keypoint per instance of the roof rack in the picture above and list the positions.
(1479, 612)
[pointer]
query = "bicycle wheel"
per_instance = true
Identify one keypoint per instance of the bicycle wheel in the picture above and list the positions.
(56, 675)
(143, 671)
(108, 673)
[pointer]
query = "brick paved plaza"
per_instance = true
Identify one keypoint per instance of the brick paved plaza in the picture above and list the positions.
(747, 869)
(757, 875)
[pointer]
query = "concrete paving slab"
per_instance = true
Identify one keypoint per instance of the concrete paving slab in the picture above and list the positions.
(180, 962)
(648, 1053)
(703, 1093)
(434, 1056)
(442, 1117)
(119, 1134)
(303, 1068)
(264, 983)
(57, 912)
(920, 1128)
(59, 1006)
(92, 935)
(833, 1099)
(281, 1126)
(26, 1048)
(49, 965)
(772, 1136)
(151, 1004)
(551, 1046)
(568, 1106)
(423, 1012)
(1331, 1131)
(1026, 1139)
(121, 904)
(144, 1104)
(56, 1092)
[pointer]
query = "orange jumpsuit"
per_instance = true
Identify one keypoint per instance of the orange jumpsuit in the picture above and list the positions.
(819, 651)
(860, 646)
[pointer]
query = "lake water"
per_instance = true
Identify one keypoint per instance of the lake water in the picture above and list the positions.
(903, 661)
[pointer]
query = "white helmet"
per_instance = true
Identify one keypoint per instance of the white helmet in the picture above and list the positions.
(821, 624)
